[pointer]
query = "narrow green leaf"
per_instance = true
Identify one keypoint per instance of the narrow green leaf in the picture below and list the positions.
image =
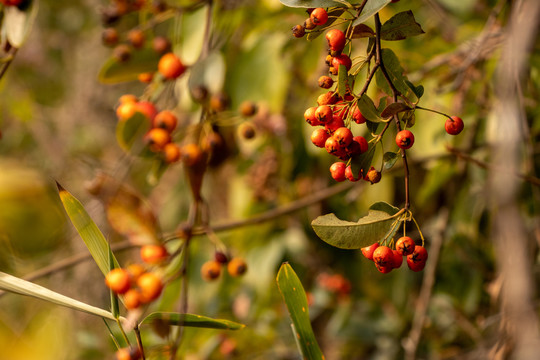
(368, 109)
(191, 320)
(314, 3)
(389, 159)
(394, 108)
(418, 90)
(342, 80)
(362, 31)
(115, 309)
(401, 26)
(141, 61)
(22, 287)
(372, 7)
(130, 133)
(87, 229)
(18, 23)
(395, 73)
(382, 219)
(295, 298)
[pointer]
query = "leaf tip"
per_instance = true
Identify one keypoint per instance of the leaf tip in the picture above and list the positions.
(59, 187)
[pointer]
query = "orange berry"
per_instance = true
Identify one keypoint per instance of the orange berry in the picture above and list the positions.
(237, 267)
(191, 154)
(118, 280)
(136, 38)
(172, 153)
(170, 66)
(157, 138)
(161, 45)
(150, 286)
(165, 120)
(153, 254)
(146, 78)
(132, 299)
(135, 270)
(210, 270)
(147, 109)
(128, 98)
(248, 108)
(126, 110)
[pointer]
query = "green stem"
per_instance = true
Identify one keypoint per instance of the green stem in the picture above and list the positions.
(433, 111)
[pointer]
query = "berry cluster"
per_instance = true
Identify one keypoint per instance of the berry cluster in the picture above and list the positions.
(18, 3)
(211, 270)
(386, 259)
(335, 283)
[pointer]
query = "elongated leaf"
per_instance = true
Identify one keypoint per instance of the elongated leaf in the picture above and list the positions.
(295, 298)
(389, 159)
(368, 109)
(401, 26)
(141, 61)
(22, 287)
(394, 108)
(342, 80)
(130, 133)
(362, 31)
(360, 163)
(191, 320)
(18, 23)
(115, 309)
(395, 73)
(87, 229)
(381, 219)
(315, 3)
(372, 7)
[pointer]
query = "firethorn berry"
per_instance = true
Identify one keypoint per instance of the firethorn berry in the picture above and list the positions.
(118, 280)
(454, 125)
(219, 102)
(134, 271)
(110, 37)
(328, 60)
(405, 139)
(384, 269)
(147, 109)
(328, 98)
(350, 176)
(364, 146)
(191, 154)
(398, 259)
(128, 354)
(199, 93)
(343, 135)
(417, 260)
(357, 116)
(373, 176)
(171, 153)
(236, 267)
(298, 31)
(368, 251)
(405, 245)
(334, 124)
(325, 82)
(319, 137)
(336, 40)
(309, 24)
(12, 2)
(332, 146)
(337, 171)
(342, 59)
(310, 117)
(127, 98)
(210, 270)
(153, 254)
(122, 53)
(161, 45)
(383, 256)
(246, 130)
(248, 108)
(221, 257)
(132, 299)
(170, 66)
(126, 110)
(157, 138)
(324, 114)
(146, 78)
(136, 38)
(319, 16)
(165, 120)
(150, 286)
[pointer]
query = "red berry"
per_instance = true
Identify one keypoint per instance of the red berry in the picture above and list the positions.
(405, 245)
(453, 125)
(373, 175)
(362, 142)
(325, 82)
(319, 16)
(118, 280)
(358, 117)
(170, 66)
(147, 108)
(368, 251)
(398, 259)
(298, 31)
(337, 171)
(383, 256)
(334, 124)
(154, 254)
(384, 269)
(350, 176)
(343, 135)
(336, 40)
(328, 98)
(332, 146)
(324, 114)
(319, 137)
(404, 139)
(417, 260)
(165, 120)
(342, 60)
(310, 116)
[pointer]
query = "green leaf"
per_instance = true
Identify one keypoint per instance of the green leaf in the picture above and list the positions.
(22, 287)
(389, 159)
(333, 15)
(87, 229)
(382, 220)
(362, 31)
(362, 162)
(191, 320)
(295, 298)
(418, 90)
(372, 7)
(409, 118)
(141, 61)
(368, 109)
(115, 309)
(342, 80)
(395, 73)
(401, 26)
(18, 23)
(130, 133)
(314, 3)
(394, 108)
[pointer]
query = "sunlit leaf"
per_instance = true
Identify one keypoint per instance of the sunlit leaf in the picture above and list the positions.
(372, 7)
(191, 320)
(389, 159)
(396, 74)
(394, 108)
(22, 287)
(362, 31)
(368, 109)
(401, 26)
(18, 23)
(382, 219)
(295, 298)
(343, 83)
(87, 229)
(141, 61)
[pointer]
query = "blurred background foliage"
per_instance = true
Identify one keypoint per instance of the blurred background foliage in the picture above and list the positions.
(58, 123)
